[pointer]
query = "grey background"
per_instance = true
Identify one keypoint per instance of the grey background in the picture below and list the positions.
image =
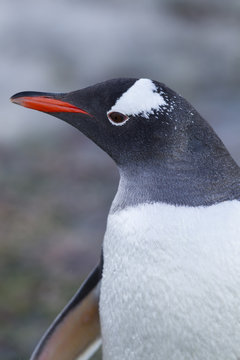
(56, 186)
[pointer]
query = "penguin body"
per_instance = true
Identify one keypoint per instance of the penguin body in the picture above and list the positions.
(170, 283)
(171, 271)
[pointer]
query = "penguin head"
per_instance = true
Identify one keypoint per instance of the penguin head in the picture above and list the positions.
(133, 120)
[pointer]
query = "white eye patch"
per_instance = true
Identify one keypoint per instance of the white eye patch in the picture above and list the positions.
(141, 98)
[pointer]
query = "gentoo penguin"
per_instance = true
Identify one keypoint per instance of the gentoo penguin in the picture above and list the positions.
(169, 275)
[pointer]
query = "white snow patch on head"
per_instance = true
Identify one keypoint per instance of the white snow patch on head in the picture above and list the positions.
(141, 98)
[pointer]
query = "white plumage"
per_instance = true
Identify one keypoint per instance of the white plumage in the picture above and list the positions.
(171, 283)
(140, 98)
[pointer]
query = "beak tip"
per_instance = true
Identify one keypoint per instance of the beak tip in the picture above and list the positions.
(15, 99)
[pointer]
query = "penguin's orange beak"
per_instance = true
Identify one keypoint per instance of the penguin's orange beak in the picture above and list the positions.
(45, 102)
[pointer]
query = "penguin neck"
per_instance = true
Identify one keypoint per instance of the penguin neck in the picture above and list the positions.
(193, 180)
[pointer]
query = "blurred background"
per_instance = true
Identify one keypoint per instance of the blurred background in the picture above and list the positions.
(55, 185)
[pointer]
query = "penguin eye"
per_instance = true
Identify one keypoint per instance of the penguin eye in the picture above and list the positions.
(117, 118)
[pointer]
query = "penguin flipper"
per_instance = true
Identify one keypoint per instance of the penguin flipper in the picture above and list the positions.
(75, 333)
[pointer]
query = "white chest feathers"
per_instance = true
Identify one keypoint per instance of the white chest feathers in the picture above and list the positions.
(171, 283)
